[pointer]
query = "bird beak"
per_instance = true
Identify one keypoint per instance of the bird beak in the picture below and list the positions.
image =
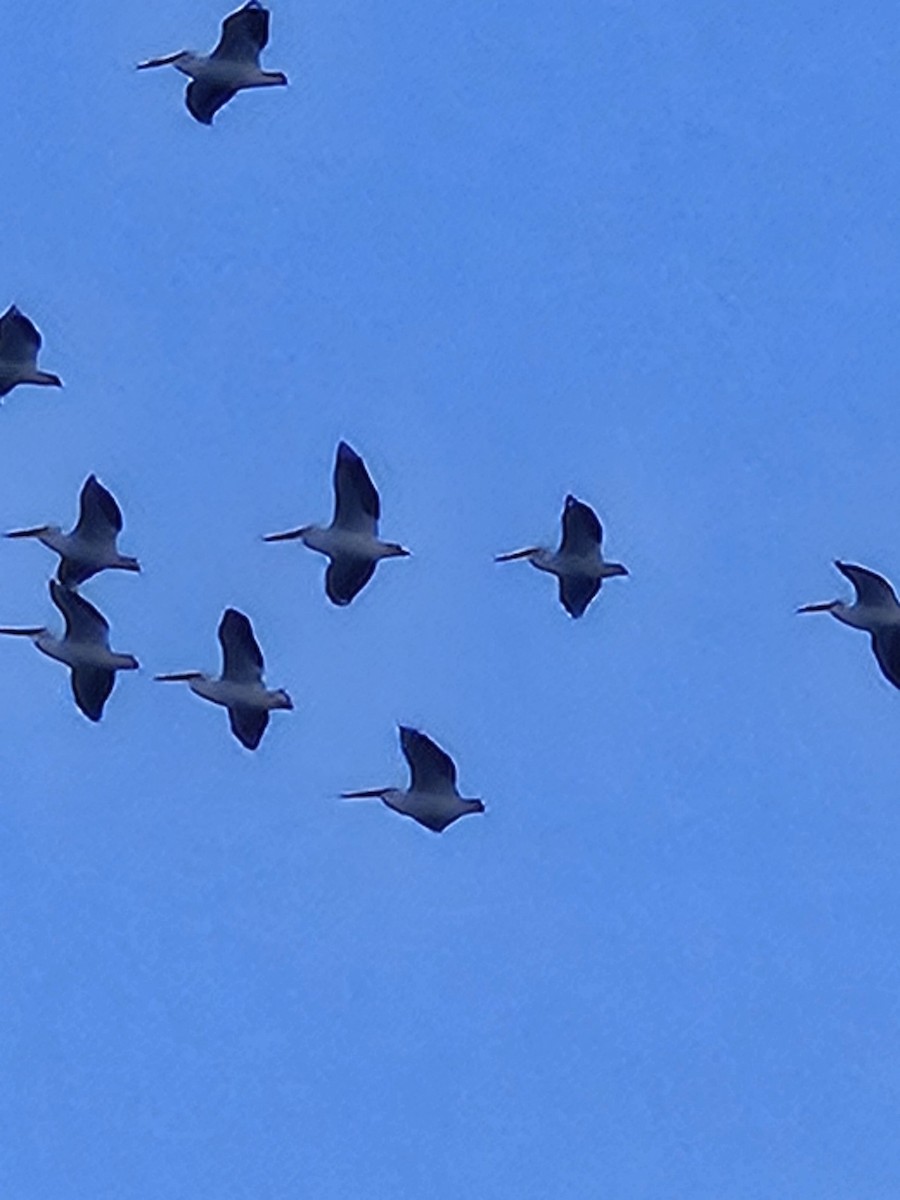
(290, 535)
(371, 794)
(178, 677)
(826, 606)
(159, 62)
(515, 554)
(30, 632)
(23, 533)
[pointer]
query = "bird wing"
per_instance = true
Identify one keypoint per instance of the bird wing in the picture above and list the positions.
(356, 503)
(870, 587)
(73, 572)
(242, 660)
(19, 338)
(886, 647)
(204, 99)
(92, 687)
(346, 577)
(582, 533)
(248, 725)
(84, 623)
(244, 34)
(431, 769)
(99, 517)
(576, 592)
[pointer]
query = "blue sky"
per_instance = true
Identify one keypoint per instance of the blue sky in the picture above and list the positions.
(641, 252)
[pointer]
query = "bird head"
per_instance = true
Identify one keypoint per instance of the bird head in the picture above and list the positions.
(31, 631)
(165, 61)
(511, 557)
(34, 532)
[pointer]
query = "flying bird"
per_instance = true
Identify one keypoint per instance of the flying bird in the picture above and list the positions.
(351, 541)
(19, 345)
(84, 648)
(92, 545)
(432, 797)
(875, 609)
(578, 563)
(240, 687)
(232, 66)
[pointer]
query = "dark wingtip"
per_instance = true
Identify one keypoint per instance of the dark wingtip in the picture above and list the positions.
(345, 450)
(570, 500)
(336, 600)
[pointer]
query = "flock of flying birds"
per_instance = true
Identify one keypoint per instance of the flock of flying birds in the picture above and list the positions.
(351, 542)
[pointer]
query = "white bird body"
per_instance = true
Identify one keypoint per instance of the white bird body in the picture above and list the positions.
(351, 541)
(875, 610)
(20, 342)
(240, 687)
(82, 654)
(335, 542)
(84, 648)
(230, 68)
(432, 798)
(92, 545)
(233, 694)
(578, 564)
(229, 73)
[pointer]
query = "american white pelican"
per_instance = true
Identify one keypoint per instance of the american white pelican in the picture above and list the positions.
(84, 648)
(876, 610)
(578, 563)
(91, 546)
(240, 687)
(432, 797)
(19, 346)
(351, 541)
(231, 67)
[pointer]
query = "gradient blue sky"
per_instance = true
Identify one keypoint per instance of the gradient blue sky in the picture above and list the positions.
(644, 252)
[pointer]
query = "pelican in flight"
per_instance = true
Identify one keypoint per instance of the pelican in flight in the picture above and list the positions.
(84, 648)
(240, 687)
(91, 545)
(578, 563)
(351, 541)
(432, 797)
(875, 609)
(19, 346)
(231, 67)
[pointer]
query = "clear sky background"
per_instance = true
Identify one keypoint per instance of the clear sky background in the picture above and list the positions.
(644, 252)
